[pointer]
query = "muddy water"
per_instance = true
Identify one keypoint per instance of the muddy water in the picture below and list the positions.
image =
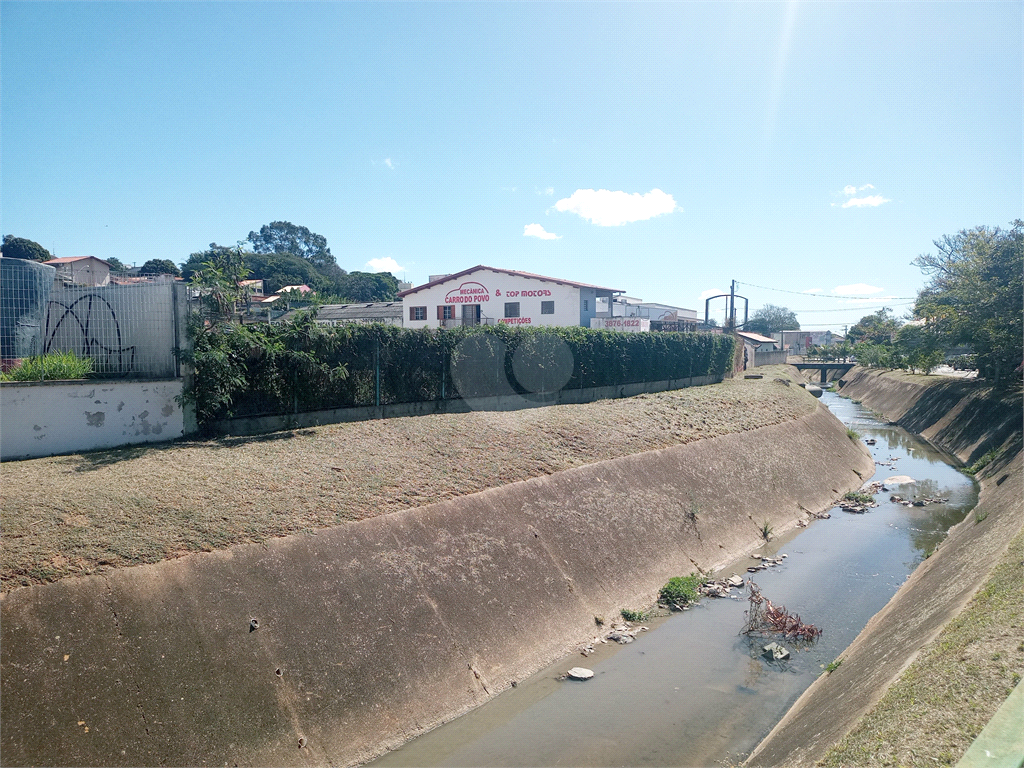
(693, 691)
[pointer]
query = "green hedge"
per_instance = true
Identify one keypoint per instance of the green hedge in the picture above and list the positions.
(301, 366)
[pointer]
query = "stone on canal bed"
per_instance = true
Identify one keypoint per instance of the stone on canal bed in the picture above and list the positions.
(580, 673)
(776, 652)
(899, 480)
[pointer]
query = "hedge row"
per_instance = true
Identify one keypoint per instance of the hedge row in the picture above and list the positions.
(301, 366)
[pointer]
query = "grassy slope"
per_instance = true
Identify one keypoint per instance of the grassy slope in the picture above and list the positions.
(81, 514)
(939, 705)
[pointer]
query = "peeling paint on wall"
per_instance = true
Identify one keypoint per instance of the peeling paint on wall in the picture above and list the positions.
(126, 413)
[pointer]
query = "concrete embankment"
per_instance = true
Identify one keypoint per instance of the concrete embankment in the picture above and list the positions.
(968, 420)
(369, 633)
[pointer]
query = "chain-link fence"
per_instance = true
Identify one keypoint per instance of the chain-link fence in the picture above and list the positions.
(127, 327)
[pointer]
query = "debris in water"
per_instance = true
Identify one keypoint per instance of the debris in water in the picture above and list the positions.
(763, 617)
(776, 652)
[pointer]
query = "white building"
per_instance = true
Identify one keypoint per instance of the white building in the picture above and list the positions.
(491, 296)
(676, 318)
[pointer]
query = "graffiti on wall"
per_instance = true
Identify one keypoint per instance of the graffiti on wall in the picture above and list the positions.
(89, 327)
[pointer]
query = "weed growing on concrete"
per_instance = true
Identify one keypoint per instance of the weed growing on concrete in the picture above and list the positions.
(852, 434)
(766, 530)
(833, 666)
(981, 463)
(634, 616)
(980, 516)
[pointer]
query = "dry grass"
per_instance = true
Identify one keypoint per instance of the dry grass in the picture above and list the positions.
(939, 705)
(81, 514)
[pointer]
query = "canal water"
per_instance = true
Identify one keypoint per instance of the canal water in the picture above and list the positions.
(693, 691)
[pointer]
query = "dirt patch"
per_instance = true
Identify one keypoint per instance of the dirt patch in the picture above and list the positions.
(82, 514)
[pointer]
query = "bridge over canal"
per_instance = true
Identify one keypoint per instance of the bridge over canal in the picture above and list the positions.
(841, 368)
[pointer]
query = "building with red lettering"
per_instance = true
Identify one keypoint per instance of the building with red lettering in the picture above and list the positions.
(491, 296)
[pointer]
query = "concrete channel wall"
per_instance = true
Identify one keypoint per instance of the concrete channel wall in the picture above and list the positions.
(967, 420)
(330, 648)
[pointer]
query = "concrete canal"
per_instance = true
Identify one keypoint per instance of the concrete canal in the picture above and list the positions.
(693, 691)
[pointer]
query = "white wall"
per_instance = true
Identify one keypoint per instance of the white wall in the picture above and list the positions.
(491, 290)
(49, 418)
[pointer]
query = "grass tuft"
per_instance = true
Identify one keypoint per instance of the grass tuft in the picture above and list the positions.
(54, 366)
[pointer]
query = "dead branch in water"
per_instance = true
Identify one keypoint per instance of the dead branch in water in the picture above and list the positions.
(763, 617)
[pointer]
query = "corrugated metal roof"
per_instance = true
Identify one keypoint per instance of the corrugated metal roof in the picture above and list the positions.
(380, 309)
(513, 272)
(756, 337)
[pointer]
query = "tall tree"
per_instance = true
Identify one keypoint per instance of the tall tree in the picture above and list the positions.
(20, 248)
(285, 237)
(770, 319)
(976, 295)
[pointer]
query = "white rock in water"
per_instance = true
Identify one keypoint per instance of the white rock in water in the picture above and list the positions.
(580, 673)
(899, 480)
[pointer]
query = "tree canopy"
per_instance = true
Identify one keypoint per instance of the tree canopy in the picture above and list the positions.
(878, 328)
(285, 237)
(160, 267)
(976, 294)
(116, 265)
(369, 286)
(770, 319)
(20, 248)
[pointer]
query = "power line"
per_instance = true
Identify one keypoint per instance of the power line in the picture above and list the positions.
(822, 295)
(848, 309)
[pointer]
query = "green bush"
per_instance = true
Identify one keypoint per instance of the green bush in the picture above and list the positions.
(301, 366)
(858, 498)
(634, 616)
(53, 366)
(681, 590)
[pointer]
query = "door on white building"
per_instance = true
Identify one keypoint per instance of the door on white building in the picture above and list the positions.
(471, 314)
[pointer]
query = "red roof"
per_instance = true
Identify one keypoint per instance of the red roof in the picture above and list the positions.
(69, 259)
(512, 272)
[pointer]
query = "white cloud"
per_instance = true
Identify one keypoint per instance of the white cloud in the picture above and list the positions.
(386, 161)
(849, 189)
(387, 264)
(612, 209)
(871, 201)
(546, 191)
(866, 186)
(856, 288)
(536, 230)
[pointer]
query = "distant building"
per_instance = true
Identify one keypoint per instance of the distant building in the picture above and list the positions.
(663, 317)
(80, 270)
(491, 296)
(798, 342)
(386, 312)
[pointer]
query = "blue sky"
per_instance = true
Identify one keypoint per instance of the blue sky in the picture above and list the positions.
(661, 149)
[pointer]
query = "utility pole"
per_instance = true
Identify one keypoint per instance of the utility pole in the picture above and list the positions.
(731, 322)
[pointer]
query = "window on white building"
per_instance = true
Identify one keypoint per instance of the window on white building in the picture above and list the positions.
(547, 307)
(417, 313)
(586, 305)
(511, 309)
